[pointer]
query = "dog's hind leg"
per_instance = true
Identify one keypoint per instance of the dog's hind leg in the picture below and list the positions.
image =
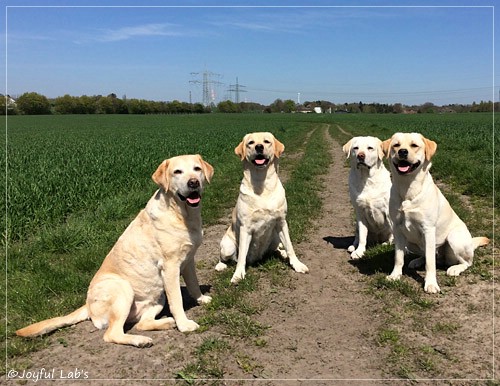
(459, 253)
(419, 262)
(228, 251)
(110, 301)
(148, 321)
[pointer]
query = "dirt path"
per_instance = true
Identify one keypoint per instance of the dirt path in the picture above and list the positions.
(319, 327)
(322, 324)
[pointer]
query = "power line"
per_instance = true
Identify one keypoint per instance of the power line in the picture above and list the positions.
(236, 88)
(373, 93)
(208, 84)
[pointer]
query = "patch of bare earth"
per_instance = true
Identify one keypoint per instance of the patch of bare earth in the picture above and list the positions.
(322, 325)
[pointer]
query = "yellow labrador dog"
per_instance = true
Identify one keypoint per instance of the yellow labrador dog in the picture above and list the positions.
(423, 220)
(369, 188)
(259, 218)
(146, 261)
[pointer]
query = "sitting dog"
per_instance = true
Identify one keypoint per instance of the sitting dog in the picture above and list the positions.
(369, 188)
(259, 218)
(423, 220)
(147, 260)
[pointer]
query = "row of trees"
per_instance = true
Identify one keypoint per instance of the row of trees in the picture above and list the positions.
(33, 103)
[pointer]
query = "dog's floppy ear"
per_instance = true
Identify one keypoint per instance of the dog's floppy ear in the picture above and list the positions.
(347, 148)
(386, 147)
(160, 176)
(279, 148)
(240, 150)
(430, 148)
(380, 149)
(208, 169)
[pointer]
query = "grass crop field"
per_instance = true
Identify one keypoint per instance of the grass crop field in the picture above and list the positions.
(75, 182)
(465, 144)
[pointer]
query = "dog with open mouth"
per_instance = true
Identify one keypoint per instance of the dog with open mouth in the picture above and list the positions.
(423, 220)
(146, 262)
(369, 188)
(258, 223)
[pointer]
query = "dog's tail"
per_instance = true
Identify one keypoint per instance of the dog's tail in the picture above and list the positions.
(49, 325)
(480, 241)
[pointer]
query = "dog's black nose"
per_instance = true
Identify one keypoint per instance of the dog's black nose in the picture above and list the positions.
(193, 183)
(403, 153)
(361, 156)
(259, 148)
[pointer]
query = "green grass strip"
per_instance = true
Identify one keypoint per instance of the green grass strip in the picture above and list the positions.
(303, 189)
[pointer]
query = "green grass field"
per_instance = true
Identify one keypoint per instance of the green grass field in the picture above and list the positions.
(75, 182)
(465, 144)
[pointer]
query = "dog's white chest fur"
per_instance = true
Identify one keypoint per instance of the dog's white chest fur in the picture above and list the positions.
(409, 218)
(371, 196)
(260, 221)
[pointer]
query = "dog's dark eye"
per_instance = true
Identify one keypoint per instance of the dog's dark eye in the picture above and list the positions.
(251, 142)
(370, 148)
(396, 145)
(266, 141)
(414, 145)
(177, 171)
(197, 169)
(355, 148)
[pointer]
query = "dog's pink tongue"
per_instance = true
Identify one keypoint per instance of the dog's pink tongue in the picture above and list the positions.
(404, 169)
(193, 200)
(260, 161)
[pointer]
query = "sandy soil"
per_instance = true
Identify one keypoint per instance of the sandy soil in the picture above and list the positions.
(322, 325)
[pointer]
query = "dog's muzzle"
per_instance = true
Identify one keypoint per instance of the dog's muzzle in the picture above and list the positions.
(360, 158)
(194, 197)
(404, 167)
(260, 160)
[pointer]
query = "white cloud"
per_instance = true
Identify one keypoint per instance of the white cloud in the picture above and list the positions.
(146, 30)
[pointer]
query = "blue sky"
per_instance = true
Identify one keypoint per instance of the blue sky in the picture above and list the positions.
(373, 52)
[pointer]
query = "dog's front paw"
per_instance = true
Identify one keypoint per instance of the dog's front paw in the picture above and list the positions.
(238, 276)
(393, 276)
(300, 267)
(188, 326)
(431, 287)
(357, 254)
(456, 270)
(351, 248)
(142, 341)
(204, 299)
(220, 266)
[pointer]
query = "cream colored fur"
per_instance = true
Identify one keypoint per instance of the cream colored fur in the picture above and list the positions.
(423, 220)
(259, 219)
(147, 260)
(369, 188)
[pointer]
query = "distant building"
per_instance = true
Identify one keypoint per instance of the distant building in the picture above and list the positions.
(10, 102)
(304, 110)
